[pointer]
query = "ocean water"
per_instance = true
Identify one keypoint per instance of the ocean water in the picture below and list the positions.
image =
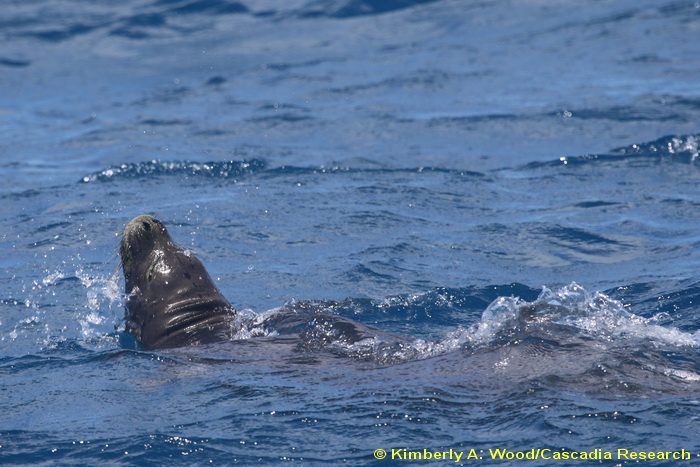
(512, 186)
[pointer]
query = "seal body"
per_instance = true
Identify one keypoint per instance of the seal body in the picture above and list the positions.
(171, 300)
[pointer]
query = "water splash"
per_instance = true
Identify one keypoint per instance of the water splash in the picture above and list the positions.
(688, 145)
(248, 324)
(32, 323)
(570, 313)
(102, 294)
(101, 291)
(591, 314)
(684, 148)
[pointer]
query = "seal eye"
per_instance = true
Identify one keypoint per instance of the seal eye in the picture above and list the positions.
(146, 225)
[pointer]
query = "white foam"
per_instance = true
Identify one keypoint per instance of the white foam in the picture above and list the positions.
(594, 315)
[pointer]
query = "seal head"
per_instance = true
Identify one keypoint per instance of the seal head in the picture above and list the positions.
(171, 300)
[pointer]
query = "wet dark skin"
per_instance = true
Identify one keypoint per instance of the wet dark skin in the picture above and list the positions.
(171, 300)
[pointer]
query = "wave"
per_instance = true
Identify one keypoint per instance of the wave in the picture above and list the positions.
(593, 315)
(561, 314)
(342, 9)
(679, 149)
(233, 170)
(674, 148)
(157, 168)
(566, 338)
(158, 17)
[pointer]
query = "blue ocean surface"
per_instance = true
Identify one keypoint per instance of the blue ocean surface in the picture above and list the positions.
(512, 186)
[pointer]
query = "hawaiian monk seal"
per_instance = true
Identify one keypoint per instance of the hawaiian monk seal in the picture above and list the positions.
(171, 300)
